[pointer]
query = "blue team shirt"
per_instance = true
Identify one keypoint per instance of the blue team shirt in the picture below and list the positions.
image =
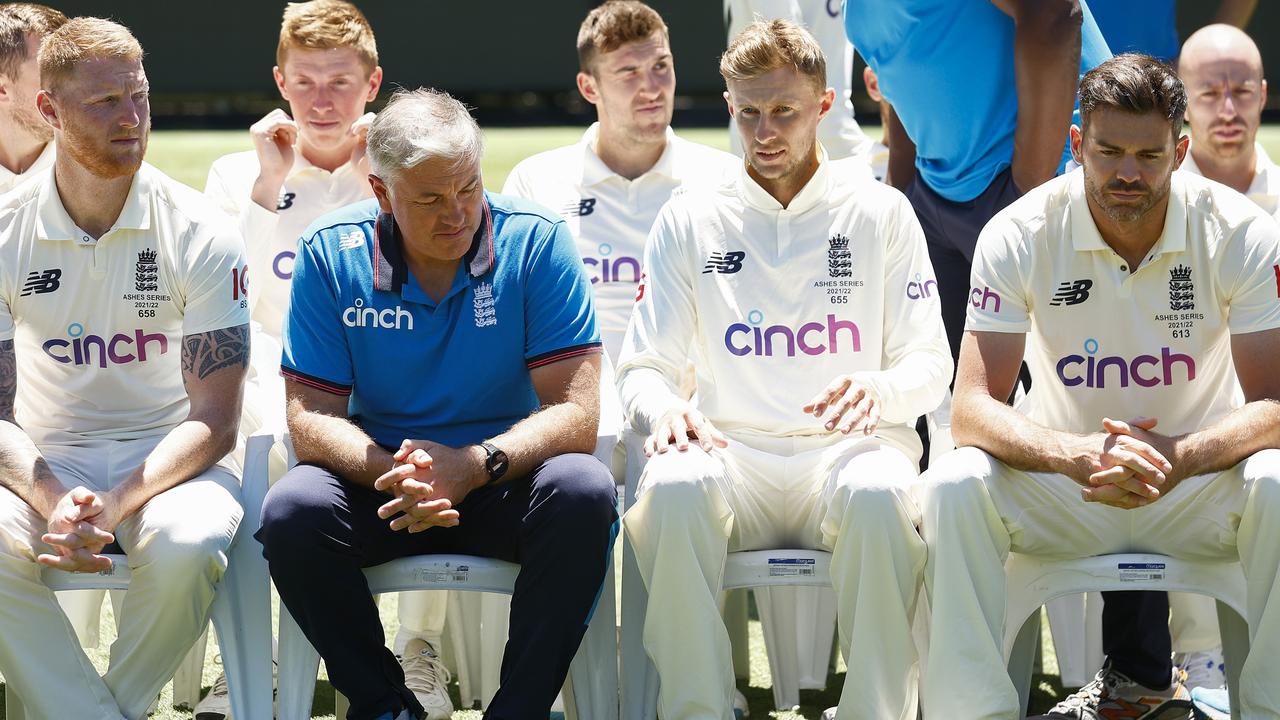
(1145, 26)
(454, 372)
(947, 67)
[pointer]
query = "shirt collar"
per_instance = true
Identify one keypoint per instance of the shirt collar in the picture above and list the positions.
(810, 195)
(390, 269)
(53, 222)
(1265, 180)
(595, 171)
(1086, 238)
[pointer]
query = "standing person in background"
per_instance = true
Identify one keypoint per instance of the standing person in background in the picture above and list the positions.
(839, 132)
(1151, 26)
(306, 162)
(26, 145)
(609, 186)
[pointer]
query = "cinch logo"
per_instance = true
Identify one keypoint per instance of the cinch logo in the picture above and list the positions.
(389, 319)
(119, 349)
(1091, 371)
(279, 264)
(919, 290)
(978, 298)
(606, 269)
(742, 339)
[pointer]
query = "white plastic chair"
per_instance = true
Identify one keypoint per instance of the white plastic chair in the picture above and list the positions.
(591, 690)
(1033, 581)
(241, 608)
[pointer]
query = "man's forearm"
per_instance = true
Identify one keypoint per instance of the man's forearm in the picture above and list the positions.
(554, 430)
(24, 471)
(1222, 445)
(186, 451)
(337, 444)
(983, 422)
(1047, 68)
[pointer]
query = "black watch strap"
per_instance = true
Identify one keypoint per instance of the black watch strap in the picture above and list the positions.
(495, 462)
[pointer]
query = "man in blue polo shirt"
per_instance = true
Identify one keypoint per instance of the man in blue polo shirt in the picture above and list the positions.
(441, 361)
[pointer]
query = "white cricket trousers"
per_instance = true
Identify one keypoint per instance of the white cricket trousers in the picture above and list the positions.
(177, 548)
(977, 510)
(849, 496)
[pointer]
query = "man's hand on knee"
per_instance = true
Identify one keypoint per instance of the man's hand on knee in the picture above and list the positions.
(677, 426)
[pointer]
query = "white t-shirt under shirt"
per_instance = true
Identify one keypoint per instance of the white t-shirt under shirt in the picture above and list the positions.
(271, 238)
(1265, 188)
(776, 302)
(98, 324)
(1106, 342)
(610, 216)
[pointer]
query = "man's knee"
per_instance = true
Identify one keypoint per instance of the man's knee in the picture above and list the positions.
(955, 483)
(297, 512)
(1261, 473)
(581, 487)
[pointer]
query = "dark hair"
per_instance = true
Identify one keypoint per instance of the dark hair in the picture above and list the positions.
(1134, 83)
(17, 21)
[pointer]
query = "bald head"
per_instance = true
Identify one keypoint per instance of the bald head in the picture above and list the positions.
(1217, 43)
(1222, 70)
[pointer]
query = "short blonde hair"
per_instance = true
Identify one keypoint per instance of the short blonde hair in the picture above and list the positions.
(766, 45)
(326, 25)
(17, 21)
(614, 24)
(81, 39)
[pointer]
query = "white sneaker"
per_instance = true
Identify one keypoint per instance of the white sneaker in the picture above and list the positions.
(740, 709)
(428, 678)
(215, 705)
(1204, 669)
(829, 714)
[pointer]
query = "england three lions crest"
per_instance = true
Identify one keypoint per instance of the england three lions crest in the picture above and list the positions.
(839, 259)
(146, 276)
(485, 311)
(1182, 294)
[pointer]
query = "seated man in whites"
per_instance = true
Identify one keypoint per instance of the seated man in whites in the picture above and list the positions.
(803, 288)
(442, 372)
(1145, 301)
(124, 342)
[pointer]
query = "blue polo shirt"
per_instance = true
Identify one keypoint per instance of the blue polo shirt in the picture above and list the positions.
(947, 67)
(1145, 26)
(454, 372)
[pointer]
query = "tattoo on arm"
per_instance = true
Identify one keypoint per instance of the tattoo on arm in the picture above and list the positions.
(8, 380)
(207, 353)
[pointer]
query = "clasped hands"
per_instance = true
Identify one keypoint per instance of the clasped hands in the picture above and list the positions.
(80, 526)
(1132, 468)
(428, 481)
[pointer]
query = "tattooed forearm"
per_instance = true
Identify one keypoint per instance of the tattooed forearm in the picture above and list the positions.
(8, 380)
(207, 353)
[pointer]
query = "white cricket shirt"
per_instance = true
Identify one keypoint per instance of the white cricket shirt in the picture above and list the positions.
(774, 303)
(1265, 188)
(271, 238)
(610, 216)
(10, 180)
(1106, 342)
(98, 324)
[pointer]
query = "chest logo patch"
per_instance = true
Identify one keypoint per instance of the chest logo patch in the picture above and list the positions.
(1072, 292)
(579, 208)
(839, 259)
(485, 311)
(1182, 294)
(146, 276)
(40, 282)
(725, 263)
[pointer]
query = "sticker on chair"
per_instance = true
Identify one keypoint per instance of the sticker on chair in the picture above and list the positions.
(792, 567)
(1136, 572)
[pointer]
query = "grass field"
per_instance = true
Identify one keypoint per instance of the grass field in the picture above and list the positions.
(186, 155)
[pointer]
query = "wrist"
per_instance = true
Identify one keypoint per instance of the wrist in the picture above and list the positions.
(477, 456)
(266, 192)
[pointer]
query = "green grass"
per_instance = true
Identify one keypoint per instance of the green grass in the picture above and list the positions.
(186, 156)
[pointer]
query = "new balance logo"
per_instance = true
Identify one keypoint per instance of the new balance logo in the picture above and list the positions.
(581, 208)
(1072, 292)
(351, 240)
(286, 200)
(40, 282)
(726, 263)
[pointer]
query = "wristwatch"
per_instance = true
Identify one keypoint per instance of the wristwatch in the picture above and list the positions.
(495, 462)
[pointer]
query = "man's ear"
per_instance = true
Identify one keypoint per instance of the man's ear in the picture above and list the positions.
(587, 87)
(381, 192)
(1077, 144)
(48, 111)
(1180, 149)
